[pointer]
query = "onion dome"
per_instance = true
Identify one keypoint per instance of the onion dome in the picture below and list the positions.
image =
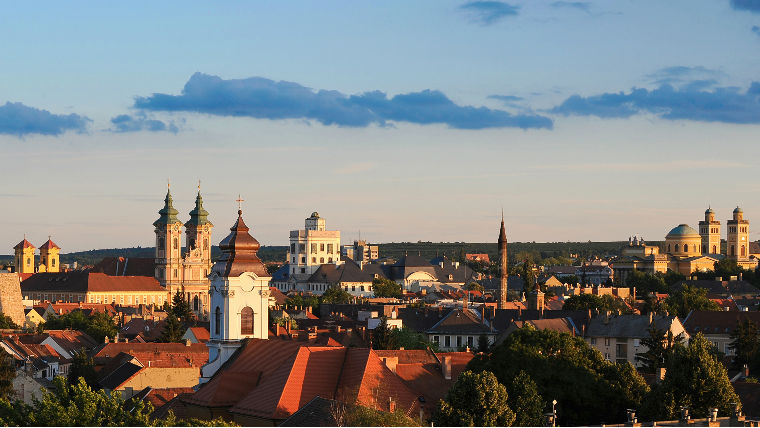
(168, 215)
(709, 211)
(198, 216)
(49, 245)
(24, 244)
(682, 231)
(738, 210)
(239, 252)
(315, 215)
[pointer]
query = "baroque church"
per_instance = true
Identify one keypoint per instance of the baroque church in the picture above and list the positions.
(184, 273)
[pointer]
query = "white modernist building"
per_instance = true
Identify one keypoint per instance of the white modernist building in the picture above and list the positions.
(239, 297)
(312, 247)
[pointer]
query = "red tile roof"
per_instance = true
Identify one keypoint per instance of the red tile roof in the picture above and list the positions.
(48, 245)
(24, 244)
(160, 354)
(201, 334)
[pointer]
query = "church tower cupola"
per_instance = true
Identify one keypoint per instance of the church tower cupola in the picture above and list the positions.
(168, 231)
(24, 257)
(49, 257)
(197, 260)
(737, 239)
(709, 230)
(239, 294)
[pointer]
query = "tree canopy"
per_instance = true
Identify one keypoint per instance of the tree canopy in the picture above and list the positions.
(694, 378)
(98, 324)
(589, 389)
(525, 401)
(383, 287)
(689, 298)
(476, 399)
(7, 322)
(584, 302)
(745, 342)
(660, 346)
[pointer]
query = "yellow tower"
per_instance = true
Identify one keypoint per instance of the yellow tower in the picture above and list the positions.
(738, 236)
(49, 260)
(168, 231)
(197, 260)
(24, 259)
(709, 230)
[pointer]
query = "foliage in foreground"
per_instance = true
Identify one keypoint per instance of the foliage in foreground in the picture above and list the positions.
(476, 399)
(79, 405)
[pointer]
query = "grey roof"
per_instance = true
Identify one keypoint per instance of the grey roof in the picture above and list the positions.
(347, 272)
(281, 274)
(316, 413)
(630, 326)
(119, 375)
(422, 319)
(461, 321)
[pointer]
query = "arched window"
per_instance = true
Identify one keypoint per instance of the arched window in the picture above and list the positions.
(733, 251)
(53, 262)
(668, 247)
(196, 304)
(174, 243)
(218, 321)
(743, 251)
(715, 250)
(161, 243)
(246, 321)
(28, 261)
(205, 243)
(321, 259)
(704, 249)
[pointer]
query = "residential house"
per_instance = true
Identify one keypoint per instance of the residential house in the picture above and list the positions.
(459, 329)
(717, 326)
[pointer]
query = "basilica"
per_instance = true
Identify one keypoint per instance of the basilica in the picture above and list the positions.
(687, 250)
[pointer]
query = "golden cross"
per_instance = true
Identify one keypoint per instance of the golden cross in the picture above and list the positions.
(239, 200)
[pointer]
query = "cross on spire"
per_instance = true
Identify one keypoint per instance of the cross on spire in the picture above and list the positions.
(199, 185)
(168, 184)
(240, 200)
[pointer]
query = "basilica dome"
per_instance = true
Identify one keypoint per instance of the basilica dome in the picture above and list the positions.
(683, 241)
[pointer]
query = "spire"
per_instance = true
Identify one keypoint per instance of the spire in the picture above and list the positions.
(502, 232)
(239, 250)
(168, 215)
(198, 216)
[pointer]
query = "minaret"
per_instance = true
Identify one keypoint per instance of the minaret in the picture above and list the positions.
(24, 256)
(709, 229)
(168, 231)
(49, 256)
(197, 261)
(503, 273)
(738, 236)
(239, 297)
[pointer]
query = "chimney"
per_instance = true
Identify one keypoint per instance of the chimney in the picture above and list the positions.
(685, 418)
(446, 367)
(736, 415)
(391, 363)
(187, 342)
(105, 340)
(661, 374)
(391, 405)
(746, 371)
(740, 276)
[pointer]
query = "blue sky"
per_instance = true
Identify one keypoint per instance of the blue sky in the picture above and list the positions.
(403, 120)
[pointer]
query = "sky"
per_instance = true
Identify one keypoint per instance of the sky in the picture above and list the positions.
(395, 120)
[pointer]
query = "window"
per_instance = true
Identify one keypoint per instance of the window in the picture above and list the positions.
(303, 270)
(715, 250)
(145, 300)
(329, 248)
(743, 251)
(292, 249)
(459, 341)
(447, 341)
(218, 321)
(733, 251)
(129, 300)
(301, 248)
(175, 273)
(469, 341)
(636, 342)
(353, 288)
(196, 304)
(313, 248)
(361, 288)
(607, 356)
(28, 261)
(293, 260)
(205, 243)
(606, 341)
(321, 247)
(593, 340)
(321, 259)
(303, 260)
(246, 321)
(161, 243)
(313, 259)
(174, 244)
(53, 262)
(329, 260)
(436, 339)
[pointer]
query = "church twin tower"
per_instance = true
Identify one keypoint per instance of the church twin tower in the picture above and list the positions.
(188, 273)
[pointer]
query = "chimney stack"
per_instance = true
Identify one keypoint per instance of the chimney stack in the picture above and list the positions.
(391, 405)
(391, 363)
(446, 367)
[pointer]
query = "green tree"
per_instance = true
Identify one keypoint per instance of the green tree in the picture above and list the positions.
(98, 324)
(660, 346)
(7, 374)
(694, 378)
(383, 336)
(383, 287)
(301, 300)
(589, 389)
(584, 302)
(476, 399)
(525, 401)
(361, 416)
(336, 295)
(83, 366)
(173, 329)
(745, 343)
(181, 307)
(689, 298)
(646, 282)
(408, 339)
(7, 322)
(672, 278)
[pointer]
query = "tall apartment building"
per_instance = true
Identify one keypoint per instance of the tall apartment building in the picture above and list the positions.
(361, 251)
(313, 246)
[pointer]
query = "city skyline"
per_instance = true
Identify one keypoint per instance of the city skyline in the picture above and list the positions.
(584, 120)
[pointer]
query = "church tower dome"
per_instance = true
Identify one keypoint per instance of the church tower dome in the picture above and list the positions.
(168, 257)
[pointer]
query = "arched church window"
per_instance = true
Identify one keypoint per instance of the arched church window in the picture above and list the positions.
(161, 243)
(218, 321)
(53, 262)
(733, 251)
(196, 304)
(28, 261)
(715, 250)
(174, 243)
(668, 247)
(246, 320)
(743, 251)
(704, 249)
(205, 243)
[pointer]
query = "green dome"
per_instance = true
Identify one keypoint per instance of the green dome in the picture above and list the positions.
(682, 231)
(738, 210)
(709, 211)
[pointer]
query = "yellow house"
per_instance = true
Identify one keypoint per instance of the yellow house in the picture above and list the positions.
(32, 319)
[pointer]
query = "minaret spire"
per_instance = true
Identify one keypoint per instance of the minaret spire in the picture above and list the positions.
(503, 273)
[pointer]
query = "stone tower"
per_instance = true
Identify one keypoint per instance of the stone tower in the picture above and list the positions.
(239, 297)
(10, 298)
(503, 272)
(168, 231)
(49, 257)
(738, 236)
(709, 230)
(24, 257)
(197, 260)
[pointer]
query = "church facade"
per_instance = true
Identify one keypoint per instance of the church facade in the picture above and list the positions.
(184, 273)
(687, 250)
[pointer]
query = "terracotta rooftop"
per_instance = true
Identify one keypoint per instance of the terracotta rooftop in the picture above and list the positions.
(24, 244)
(83, 281)
(49, 244)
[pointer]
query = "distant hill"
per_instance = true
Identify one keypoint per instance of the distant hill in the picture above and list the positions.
(516, 251)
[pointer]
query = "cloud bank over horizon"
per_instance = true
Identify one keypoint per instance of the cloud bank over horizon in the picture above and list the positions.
(690, 102)
(20, 120)
(262, 98)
